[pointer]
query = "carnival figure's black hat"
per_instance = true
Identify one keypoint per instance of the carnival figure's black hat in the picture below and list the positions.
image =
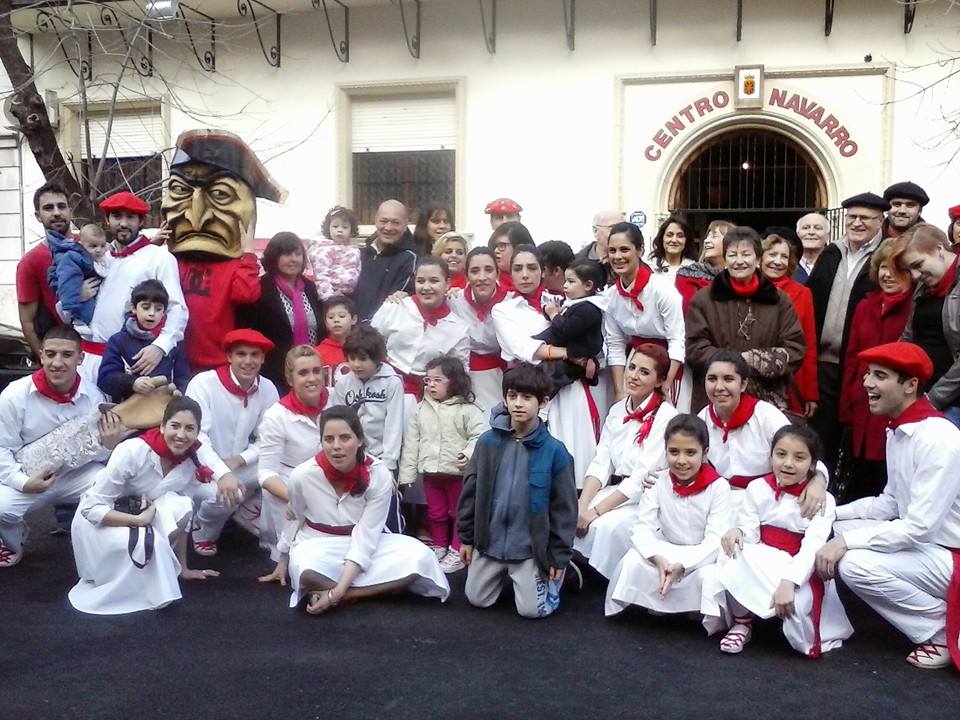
(224, 150)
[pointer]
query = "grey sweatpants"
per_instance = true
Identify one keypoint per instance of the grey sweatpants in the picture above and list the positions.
(534, 594)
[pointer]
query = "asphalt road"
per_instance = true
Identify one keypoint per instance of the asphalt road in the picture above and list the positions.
(233, 649)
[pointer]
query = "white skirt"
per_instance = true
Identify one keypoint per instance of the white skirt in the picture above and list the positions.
(487, 388)
(608, 537)
(396, 557)
(751, 579)
(110, 584)
(636, 581)
(568, 419)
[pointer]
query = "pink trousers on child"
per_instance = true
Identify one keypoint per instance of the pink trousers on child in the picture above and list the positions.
(443, 492)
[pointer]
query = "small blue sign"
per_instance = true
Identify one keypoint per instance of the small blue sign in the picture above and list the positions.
(638, 218)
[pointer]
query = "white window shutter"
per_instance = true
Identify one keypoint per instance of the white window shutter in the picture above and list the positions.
(404, 124)
(133, 134)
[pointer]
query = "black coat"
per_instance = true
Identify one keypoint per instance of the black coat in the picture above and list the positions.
(820, 283)
(383, 273)
(580, 330)
(268, 317)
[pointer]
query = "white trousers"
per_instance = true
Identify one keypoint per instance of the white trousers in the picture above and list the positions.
(15, 505)
(907, 588)
(212, 514)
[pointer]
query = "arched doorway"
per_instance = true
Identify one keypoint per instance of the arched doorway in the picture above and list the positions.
(753, 176)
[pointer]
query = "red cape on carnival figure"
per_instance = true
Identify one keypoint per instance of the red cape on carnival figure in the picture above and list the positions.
(210, 206)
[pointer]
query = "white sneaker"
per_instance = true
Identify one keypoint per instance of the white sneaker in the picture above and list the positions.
(9, 558)
(440, 552)
(452, 562)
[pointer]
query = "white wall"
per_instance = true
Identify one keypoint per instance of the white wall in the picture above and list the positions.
(541, 123)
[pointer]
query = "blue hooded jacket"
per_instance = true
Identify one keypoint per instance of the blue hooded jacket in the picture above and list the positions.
(72, 265)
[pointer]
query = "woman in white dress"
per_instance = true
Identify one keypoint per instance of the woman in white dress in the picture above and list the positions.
(767, 569)
(642, 306)
(122, 569)
(575, 414)
(335, 548)
(677, 535)
(288, 435)
(474, 308)
(630, 450)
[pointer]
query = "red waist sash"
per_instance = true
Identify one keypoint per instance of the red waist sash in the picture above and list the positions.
(790, 542)
(330, 529)
(486, 361)
(412, 384)
(741, 481)
(638, 340)
(94, 348)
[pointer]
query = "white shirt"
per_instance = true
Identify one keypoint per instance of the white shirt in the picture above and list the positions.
(619, 454)
(113, 300)
(662, 317)
(26, 416)
(284, 440)
(516, 322)
(921, 500)
(313, 498)
(134, 469)
(410, 345)
(761, 507)
(482, 333)
(227, 427)
(684, 529)
(747, 449)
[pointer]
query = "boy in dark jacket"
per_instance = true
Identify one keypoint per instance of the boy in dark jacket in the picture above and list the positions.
(518, 510)
(148, 311)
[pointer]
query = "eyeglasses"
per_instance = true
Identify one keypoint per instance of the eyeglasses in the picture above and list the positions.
(434, 380)
(502, 246)
(865, 219)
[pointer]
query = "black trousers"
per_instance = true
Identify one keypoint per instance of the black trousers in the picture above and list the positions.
(825, 421)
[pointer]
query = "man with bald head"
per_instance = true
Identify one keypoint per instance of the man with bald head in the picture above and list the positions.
(597, 250)
(387, 262)
(814, 232)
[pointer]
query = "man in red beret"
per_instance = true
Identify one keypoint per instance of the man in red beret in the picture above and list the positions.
(134, 259)
(233, 399)
(502, 210)
(900, 551)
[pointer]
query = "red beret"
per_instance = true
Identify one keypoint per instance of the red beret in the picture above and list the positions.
(245, 337)
(954, 212)
(904, 357)
(125, 201)
(502, 206)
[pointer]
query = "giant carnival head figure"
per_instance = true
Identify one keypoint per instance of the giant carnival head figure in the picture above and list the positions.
(210, 203)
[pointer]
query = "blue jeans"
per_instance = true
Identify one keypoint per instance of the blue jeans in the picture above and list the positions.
(952, 414)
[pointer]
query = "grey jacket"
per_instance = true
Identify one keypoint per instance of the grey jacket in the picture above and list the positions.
(945, 391)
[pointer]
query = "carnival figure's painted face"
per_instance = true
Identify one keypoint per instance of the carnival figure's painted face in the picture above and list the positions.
(208, 210)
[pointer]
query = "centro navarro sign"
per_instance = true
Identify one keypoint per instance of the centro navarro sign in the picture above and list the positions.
(817, 114)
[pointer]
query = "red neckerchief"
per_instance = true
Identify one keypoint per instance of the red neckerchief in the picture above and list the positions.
(943, 287)
(740, 417)
(889, 302)
(780, 283)
(645, 416)
(506, 281)
(745, 289)
(155, 331)
(43, 387)
(347, 481)
(920, 410)
(292, 403)
(434, 315)
(139, 243)
(226, 379)
(701, 482)
(639, 283)
(459, 280)
(481, 309)
(154, 440)
(535, 299)
(779, 490)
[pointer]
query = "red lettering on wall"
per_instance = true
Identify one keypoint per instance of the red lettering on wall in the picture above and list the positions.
(652, 153)
(721, 99)
(674, 125)
(702, 106)
(661, 139)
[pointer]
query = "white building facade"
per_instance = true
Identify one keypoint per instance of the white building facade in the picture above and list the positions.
(567, 107)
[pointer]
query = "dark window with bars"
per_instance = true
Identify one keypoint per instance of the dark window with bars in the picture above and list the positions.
(143, 176)
(747, 170)
(412, 177)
